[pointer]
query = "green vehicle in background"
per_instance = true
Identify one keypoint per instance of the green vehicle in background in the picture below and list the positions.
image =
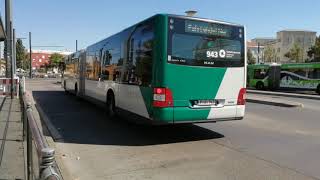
(302, 76)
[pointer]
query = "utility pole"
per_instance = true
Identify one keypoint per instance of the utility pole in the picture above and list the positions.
(30, 55)
(8, 42)
(14, 51)
(76, 45)
(12, 64)
(0, 59)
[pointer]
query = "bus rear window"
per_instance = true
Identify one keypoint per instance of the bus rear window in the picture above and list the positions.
(205, 44)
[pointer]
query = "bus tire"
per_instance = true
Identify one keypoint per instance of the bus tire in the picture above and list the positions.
(76, 89)
(110, 105)
(260, 85)
(318, 89)
(65, 87)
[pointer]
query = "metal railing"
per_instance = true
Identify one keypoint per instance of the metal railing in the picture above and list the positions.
(41, 164)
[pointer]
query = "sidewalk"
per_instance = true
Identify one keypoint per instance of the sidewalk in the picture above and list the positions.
(11, 140)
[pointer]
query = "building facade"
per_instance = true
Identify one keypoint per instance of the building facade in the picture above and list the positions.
(42, 57)
(286, 39)
(257, 51)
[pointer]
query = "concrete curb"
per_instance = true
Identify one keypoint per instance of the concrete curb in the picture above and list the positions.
(275, 103)
(44, 118)
(55, 136)
(53, 131)
(43, 127)
(305, 96)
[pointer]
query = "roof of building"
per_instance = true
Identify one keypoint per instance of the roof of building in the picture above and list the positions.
(51, 52)
(265, 38)
(297, 30)
(252, 44)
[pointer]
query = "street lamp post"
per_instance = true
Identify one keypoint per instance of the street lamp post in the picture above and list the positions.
(14, 52)
(8, 44)
(12, 62)
(30, 53)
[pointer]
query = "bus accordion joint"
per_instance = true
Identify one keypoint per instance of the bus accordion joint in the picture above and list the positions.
(242, 97)
(162, 97)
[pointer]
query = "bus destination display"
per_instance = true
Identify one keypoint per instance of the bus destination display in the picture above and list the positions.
(207, 28)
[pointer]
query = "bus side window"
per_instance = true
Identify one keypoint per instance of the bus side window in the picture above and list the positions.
(314, 74)
(107, 69)
(295, 78)
(116, 76)
(140, 56)
(259, 74)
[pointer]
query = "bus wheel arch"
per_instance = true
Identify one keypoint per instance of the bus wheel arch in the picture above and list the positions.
(65, 86)
(110, 104)
(318, 89)
(76, 88)
(260, 85)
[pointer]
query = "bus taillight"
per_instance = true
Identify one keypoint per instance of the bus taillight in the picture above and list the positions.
(162, 97)
(242, 97)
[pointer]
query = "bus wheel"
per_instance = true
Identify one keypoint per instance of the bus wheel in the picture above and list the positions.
(65, 87)
(110, 105)
(76, 89)
(318, 89)
(259, 85)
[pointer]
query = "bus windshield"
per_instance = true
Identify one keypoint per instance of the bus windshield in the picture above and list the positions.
(197, 43)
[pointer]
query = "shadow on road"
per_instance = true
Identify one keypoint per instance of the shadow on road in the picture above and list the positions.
(81, 122)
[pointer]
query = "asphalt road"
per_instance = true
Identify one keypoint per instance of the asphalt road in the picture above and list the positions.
(270, 143)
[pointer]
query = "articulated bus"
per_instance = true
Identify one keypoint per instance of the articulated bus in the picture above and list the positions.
(165, 69)
(303, 76)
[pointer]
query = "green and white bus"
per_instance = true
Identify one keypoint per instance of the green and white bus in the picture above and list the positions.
(165, 69)
(289, 76)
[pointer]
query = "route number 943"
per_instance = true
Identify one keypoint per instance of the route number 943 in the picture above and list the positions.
(216, 54)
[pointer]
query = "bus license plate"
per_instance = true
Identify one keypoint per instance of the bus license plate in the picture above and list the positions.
(206, 102)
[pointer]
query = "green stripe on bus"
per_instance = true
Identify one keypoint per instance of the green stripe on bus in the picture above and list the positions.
(193, 83)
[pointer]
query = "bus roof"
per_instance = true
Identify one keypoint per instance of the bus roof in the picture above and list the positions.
(300, 65)
(171, 15)
(287, 66)
(259, 66)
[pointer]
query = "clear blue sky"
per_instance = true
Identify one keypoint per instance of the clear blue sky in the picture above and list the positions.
(61, 22)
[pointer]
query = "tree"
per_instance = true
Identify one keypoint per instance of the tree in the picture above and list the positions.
(21, 54)
(56, 59)
(251, 58)
(270, 54)
(314, 51)
(26, 61)
(295, 53)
